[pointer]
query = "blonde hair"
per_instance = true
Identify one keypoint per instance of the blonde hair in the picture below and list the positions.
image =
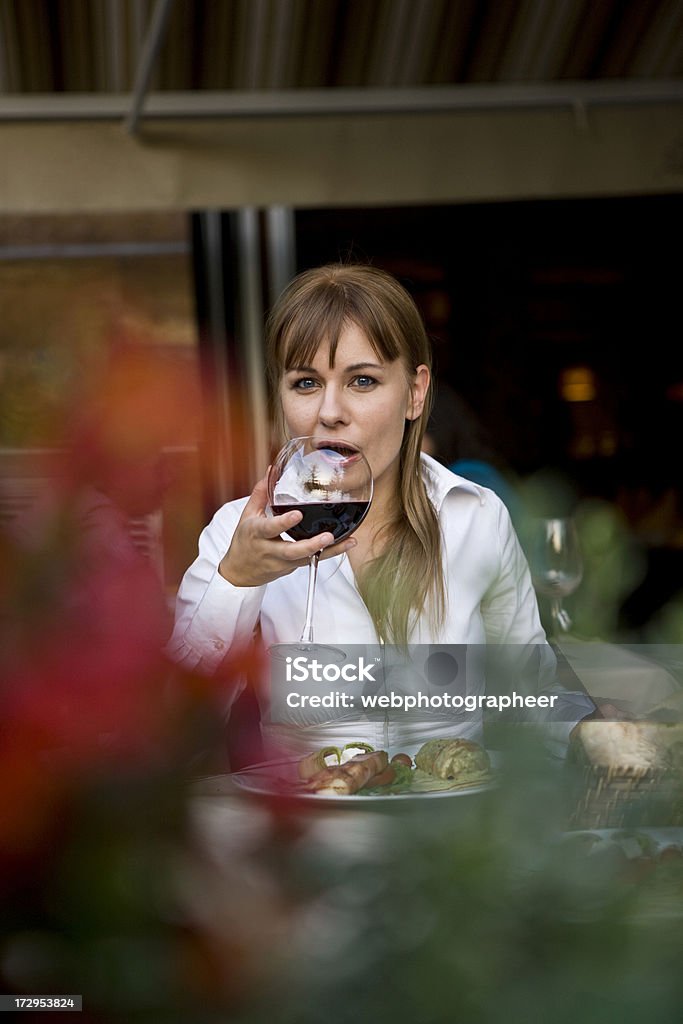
(406, 579)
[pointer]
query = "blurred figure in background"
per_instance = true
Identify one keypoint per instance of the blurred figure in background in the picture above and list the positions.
(85, 615)
(99, 497)
(457, 438)
(115, 472)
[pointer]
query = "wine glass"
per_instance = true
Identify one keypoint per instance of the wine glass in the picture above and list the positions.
(330, 482)
(556, 565)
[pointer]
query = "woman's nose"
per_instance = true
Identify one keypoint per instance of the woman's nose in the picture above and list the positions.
(332, 411)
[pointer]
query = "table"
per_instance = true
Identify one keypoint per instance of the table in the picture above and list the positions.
(636, 679)
(424, 905)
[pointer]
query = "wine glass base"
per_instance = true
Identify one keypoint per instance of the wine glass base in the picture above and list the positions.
(308, 650)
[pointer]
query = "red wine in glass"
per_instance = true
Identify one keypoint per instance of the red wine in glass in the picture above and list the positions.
(330, 482)
(339, 518)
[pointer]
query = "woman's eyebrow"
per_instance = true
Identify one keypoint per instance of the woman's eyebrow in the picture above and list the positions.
(354, 368)
(363, 366)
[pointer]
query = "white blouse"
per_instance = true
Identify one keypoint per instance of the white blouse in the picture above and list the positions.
(490, 600)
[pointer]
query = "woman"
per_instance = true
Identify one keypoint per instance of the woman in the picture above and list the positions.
(435, 562)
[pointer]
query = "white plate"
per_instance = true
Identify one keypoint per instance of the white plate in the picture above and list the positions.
(663, 836)
(260, 781)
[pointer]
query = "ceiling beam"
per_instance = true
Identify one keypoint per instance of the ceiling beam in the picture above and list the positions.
(473, 156)
(307, 102)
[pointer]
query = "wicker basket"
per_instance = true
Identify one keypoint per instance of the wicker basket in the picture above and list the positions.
(629, 775)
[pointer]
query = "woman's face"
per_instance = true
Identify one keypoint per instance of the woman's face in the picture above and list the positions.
(360, 399)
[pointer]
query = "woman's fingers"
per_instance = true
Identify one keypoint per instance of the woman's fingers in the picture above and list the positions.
(273, 526)
(323, 543)
(304, 549)
(340, 548)
(258, 499)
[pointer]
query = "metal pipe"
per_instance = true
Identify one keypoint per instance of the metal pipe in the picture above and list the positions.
(280, 249)
(150, 49)
(251, 332)
(91, 250)
(223, 467)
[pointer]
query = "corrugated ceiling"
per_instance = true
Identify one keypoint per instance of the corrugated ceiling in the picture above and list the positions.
(94, 46)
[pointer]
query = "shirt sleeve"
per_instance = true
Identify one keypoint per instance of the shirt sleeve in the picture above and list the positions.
(509, 607)
(212, 615)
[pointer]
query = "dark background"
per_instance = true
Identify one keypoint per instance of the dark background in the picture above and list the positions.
(515, 294)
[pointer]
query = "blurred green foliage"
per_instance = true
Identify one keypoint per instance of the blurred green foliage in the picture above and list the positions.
(475, 908)
(613, 567)
(479, 910)
(469, 908)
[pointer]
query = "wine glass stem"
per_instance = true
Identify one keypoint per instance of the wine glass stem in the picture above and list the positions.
(307, 634)
(561, 620)
(556, 609)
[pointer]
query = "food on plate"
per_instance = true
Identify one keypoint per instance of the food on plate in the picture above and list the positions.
(330, 757)
(630, 856)
(317, 761)
(402, 781)
(440, 765)
(671, 854)
(346, 779)
(350, 750)
(635, 843)
(453, 759)
(384, 778)
(426, 755)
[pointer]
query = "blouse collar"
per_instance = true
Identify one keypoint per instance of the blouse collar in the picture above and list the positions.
(439, 482)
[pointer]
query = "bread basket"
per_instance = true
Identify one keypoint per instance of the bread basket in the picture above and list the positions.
(628, 774)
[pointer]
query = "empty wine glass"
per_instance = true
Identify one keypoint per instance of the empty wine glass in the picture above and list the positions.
(556, 565)
(330, 482)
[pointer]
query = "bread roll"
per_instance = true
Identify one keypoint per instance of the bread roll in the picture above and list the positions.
(452, 759)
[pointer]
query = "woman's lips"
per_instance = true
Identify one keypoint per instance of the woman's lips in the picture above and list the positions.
(336, 453)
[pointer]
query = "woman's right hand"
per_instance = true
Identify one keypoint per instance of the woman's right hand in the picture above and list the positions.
(259, 555)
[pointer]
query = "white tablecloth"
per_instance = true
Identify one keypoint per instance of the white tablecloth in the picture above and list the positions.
(628, 677)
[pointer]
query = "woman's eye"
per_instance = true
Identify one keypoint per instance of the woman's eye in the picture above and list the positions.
(364, 382)
(304, 384)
